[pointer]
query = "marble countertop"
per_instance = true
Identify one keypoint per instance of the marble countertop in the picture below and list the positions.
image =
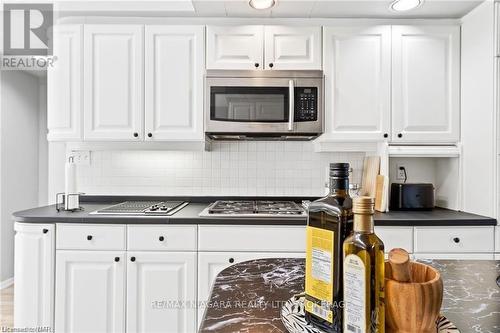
(247, 297)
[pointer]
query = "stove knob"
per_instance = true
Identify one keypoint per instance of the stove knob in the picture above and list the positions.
(163, 208)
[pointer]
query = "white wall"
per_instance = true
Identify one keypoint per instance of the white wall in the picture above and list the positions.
(19, 130)
(231, 168)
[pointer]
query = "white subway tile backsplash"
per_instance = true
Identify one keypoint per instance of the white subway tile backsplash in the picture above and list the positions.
(231, 168)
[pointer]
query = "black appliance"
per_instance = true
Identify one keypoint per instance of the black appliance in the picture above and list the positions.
(412, 196)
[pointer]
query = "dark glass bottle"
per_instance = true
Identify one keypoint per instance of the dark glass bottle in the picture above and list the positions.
(329, 224)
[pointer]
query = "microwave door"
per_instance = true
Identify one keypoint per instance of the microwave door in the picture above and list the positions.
(248, 108)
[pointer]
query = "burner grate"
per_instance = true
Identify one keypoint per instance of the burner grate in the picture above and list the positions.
(260, 207)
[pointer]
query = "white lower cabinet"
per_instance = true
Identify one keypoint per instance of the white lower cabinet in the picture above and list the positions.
(34, 274)
(161, 292)
(210, 264)
(90, 293)
(396, 237)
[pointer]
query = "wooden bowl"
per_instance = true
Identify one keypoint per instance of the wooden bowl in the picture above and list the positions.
(413, 307)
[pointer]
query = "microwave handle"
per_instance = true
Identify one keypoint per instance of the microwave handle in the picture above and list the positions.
(291, 101)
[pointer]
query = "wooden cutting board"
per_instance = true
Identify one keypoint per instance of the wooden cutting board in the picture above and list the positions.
(371, 168)
(381, 193)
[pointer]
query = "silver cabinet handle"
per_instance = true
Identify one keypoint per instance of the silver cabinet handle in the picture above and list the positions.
(291, 101)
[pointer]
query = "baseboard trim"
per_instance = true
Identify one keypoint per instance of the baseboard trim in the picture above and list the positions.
(6, 283)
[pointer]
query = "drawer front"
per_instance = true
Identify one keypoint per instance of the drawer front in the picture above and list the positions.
(252, 238)
(454, 239)
(161, 238)
(396, 237)
(90, 237)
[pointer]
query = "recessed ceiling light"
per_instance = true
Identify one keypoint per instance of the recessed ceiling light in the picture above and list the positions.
(404, 5)
(261, 4)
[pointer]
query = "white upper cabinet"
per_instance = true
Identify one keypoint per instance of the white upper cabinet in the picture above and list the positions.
(64, 85)
(235, 47)
(90, 293)
(292, 47)
(156, 281)
(425, 84)
(174, 66)
(263, 47)
(357, 64)
(113, 82)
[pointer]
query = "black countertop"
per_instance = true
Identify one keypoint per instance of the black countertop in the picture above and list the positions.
(247, 297)
(190, 215)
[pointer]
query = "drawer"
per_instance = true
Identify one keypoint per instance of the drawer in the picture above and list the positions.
(252, 238)
(90, 237)
(454, 239)
(161, 238)
(396, 237)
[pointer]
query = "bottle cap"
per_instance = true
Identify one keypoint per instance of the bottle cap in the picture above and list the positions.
(339, 170)
(363, 205)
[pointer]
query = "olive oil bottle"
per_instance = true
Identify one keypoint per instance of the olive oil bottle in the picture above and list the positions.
(363, 273)
(329, 223)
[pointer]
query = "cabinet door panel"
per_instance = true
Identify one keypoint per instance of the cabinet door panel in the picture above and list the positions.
(34, 272)
(212, 263)
(235, 47)
(425, 75)
(90, 293)
(292, 47)
(64, 85)
(357, 64)
(161, 292)
(174, 82)
(113, 82)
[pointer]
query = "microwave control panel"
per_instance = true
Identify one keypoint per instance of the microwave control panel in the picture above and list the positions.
(306, 104)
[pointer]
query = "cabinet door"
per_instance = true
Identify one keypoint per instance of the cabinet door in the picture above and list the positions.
(174, 82)
(161, 292)
(425, 84)
(113, 82)
(64, 85)
(235, 47)
(212, 263)
(357, 63)
(292, 47)
(34, 272)
(90, 293)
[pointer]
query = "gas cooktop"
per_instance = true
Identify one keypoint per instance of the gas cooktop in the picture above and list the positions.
(250, 208)
(164, 208)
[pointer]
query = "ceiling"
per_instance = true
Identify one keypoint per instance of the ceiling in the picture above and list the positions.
(282, 9)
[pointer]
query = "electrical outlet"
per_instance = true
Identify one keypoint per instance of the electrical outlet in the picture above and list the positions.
(400, 172)
(80, 157)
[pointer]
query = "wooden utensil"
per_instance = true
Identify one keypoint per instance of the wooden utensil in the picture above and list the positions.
(413, 295)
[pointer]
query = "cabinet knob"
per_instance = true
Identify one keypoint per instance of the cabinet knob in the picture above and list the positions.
(161, 238)
(89, 237)
(132, 259)
(117, 259)
(400, 135)
(150, 135)
(136, 134)
(231, 260)
(271, 65)
(256, 64)
(386, 135)
(456, 240)
(45, 231)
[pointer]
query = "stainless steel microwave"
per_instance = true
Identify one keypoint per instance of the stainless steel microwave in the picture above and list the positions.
(263, 105)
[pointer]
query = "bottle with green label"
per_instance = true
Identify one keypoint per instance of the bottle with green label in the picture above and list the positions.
(329, 224)
(363, 273)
